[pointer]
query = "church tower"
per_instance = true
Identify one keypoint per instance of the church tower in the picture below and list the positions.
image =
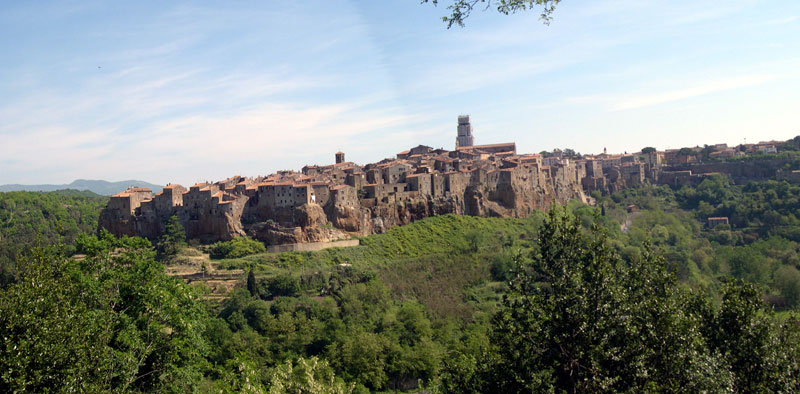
(464, 137)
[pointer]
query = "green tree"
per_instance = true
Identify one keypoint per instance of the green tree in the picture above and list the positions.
(648, 149)
(787, 281)
(236, 248)
(307, 376)
(284, 285)
(578, 319)
(752, 344)
(173, 239)
(252, 286)
(111, 322)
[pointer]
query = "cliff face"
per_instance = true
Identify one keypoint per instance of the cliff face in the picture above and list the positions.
(518, 201)
(310, 222)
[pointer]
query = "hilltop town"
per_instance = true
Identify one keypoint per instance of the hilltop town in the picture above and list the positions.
(339, 200)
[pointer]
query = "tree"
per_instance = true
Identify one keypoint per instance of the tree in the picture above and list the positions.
(580, 319)
(787, 280)
(307, 376)
(461, 9)
(173, 238)
(111, 322)
(707, 150)
(752, 344)
(648, 150)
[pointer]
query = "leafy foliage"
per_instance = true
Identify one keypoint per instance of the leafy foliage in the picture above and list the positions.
(461, 9)
(30, 219)
(113, 321)
(173, 238)
(469, 304)
(236, 248)
(580, 319)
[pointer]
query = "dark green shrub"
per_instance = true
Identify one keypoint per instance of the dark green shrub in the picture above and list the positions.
(284, 285)
(238, 247)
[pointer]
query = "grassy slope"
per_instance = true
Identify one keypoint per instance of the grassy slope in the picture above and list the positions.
(443, 261)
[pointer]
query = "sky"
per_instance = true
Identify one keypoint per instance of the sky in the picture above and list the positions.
(186, 92)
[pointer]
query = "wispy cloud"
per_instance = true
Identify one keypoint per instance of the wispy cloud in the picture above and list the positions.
(203, 91)
(698, 89)
(689, 89)
(782, 21)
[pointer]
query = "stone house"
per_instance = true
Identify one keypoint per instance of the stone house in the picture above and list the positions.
(420, 183)
(344, 196)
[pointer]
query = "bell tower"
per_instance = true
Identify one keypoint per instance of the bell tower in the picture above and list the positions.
(464, 137)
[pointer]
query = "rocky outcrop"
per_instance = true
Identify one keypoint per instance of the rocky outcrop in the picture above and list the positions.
(273, 234)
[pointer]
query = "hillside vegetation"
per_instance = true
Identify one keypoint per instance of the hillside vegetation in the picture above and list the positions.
(579, 300)
(29, 219)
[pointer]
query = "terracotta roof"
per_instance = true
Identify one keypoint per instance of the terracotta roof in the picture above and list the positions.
(485, 146)
(339, 187)
(122, 194)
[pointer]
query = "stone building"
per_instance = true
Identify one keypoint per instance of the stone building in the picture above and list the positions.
(486, 180)
(464, 130)
(419, 183)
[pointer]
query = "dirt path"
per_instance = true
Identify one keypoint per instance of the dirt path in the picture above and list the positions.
(628, 221)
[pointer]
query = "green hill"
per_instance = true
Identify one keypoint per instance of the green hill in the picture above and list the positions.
(29, 219)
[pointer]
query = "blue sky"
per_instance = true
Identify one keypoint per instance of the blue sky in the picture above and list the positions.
(196, 91)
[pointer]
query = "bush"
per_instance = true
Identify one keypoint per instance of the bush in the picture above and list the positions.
(173, 239)
(787, 280)
(236, 248)
(284, 285)
(501, 267)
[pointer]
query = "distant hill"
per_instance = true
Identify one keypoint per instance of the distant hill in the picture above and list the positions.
(97, 186)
